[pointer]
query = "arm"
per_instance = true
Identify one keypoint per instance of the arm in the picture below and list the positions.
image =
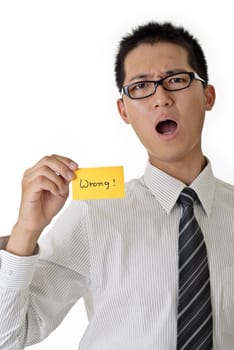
(45, 188)
(31, 305)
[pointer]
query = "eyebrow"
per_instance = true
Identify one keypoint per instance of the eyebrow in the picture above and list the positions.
(150, 76)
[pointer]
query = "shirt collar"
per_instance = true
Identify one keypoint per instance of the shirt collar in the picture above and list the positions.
(167, 189)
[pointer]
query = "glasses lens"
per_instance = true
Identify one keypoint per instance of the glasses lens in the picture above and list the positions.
(177, 81)
(141, 89)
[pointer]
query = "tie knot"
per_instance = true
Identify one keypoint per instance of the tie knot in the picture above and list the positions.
(187, 196)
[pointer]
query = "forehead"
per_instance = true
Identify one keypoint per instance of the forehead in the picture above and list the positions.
(155, 60)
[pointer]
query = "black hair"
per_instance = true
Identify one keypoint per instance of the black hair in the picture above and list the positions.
(154, 32)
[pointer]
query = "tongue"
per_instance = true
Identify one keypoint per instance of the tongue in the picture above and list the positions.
(166, 127)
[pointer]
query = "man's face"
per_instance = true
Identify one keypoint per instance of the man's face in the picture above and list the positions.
(168, 123)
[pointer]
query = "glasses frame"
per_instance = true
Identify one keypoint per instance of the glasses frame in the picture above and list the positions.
(192, 76)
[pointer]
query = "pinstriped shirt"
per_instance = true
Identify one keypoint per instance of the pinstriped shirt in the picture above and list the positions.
(121, 256)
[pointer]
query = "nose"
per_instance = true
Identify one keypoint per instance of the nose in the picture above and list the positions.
(162, 97)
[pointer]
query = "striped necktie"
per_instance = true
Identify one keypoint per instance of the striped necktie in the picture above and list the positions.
(194, 321)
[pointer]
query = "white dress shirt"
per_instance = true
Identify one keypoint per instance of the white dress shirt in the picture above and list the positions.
(120, 255)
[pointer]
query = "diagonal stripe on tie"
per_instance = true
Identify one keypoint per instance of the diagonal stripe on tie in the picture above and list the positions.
(194, 321)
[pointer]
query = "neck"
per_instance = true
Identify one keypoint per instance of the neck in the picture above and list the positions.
(181, 170)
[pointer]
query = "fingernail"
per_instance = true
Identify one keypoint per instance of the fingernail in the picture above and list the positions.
(73, 165)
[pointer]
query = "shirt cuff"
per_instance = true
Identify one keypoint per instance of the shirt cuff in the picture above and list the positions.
(16, 272)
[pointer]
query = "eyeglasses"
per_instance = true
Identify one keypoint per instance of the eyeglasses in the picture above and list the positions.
(172, 82)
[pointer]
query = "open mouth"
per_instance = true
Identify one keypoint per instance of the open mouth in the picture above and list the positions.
(166, 127)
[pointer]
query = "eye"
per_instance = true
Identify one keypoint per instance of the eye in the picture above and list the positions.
(141, 89)
(139, 86)
(177, 80)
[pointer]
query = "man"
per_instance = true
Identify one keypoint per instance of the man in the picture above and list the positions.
(123, 256)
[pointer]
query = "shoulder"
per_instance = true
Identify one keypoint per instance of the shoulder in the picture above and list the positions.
(224, 191)
(224, 186)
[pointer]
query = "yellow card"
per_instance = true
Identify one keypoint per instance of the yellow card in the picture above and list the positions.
(97, 183)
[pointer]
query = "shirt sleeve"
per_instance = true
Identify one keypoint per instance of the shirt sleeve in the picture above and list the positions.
(37, 292)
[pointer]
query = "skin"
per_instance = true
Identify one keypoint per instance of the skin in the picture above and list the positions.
(179, 153)
(45, 186)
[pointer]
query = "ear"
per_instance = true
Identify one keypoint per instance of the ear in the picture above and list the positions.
(122, 110)
(209, 97)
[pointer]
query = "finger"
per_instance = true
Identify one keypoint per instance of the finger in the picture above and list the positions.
(44, 184)
(67, 161)
(59, 165)
(39, 175)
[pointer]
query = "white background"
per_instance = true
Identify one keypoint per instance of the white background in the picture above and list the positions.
(57, 94)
